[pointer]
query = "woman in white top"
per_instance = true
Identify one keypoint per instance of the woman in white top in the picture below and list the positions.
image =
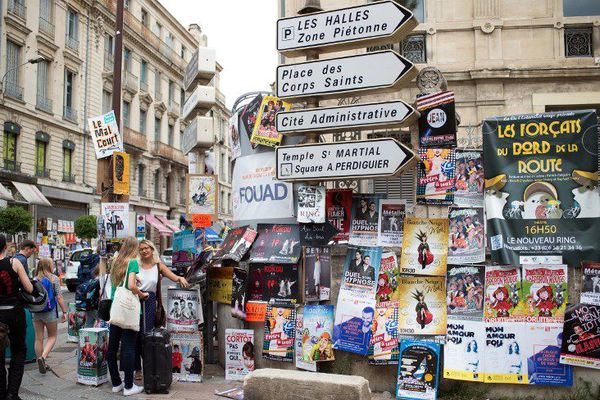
(151, 270)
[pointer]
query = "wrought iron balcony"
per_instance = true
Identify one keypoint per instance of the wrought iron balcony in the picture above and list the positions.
(70, 114)
(12, 89)
(42, 172)
(17, 8)
(578, 42)
(43, 103)
(46, 27)
(11, 165)
(135, 139)
(68, 178)
(72, 43)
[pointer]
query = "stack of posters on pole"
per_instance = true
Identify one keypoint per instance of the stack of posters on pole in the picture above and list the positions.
(311, 204)
(239, 353)
(383, 349)
(280, 284)
(435, 177)
(391, 221)
(339, 210)
(466, 242)
(301, 332)
(424, 247)
(188, 357)
(317, 273)
(316, 335)
(541, 183)
(184, 310)
(265, 130)
(365, 220)
(590, 285)
(236, 244)
(276, 244)
(469, 179)
(418, 370)
(580, 343)
(280, 330)
(239, 291)
(355, 309)
(437, 124)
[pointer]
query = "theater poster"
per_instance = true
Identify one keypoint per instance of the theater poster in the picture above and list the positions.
(280, 331)
(339, 210)
(545, 292)
(391, 221)
(505, 353)
(265, 131)
(541, 186)
(464, 350)
(422, 306)
(298, 351)
(424, 246)
(437, 124)
(503, 295)
(239, 291)
(387, 280)
(470, 181)
(466, 243)
(317, 273)
(316, 336)
(435, 176)
(384, 349)
(365, 219)
(465, 292)
(236, 244)
(581, 336)
(239, 353)
(276, 244)
(590, 285)
(543, 342)
(361, 269)
(418, 370)
(311, 204)
(280, 284)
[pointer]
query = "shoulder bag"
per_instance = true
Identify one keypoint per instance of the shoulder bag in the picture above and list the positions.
(104, 305)
(125, 310)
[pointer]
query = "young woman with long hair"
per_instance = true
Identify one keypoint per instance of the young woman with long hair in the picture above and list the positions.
(151, 270)
(12, 314)
(124, 271)
(48, 320)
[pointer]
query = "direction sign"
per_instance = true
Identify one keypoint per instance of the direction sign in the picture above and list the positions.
(343, 160)
(354, 117)
(371, 72)
(365, 25)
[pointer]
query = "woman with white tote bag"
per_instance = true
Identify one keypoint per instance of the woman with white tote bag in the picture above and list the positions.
(124, 317)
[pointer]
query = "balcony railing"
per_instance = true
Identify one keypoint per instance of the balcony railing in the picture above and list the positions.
(41, 172)
(17, 8)
(46, 27)
(165, 151)
(43, 103)
(109, 61)
(144, 86)
(11, 165)
(414, 48)
(72, 43)
(70, 114)
(135, 139)
(11, 89)
(68, 178)
(130, 82)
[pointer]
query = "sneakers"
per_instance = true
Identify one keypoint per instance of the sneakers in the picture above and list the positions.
(42, 365)
(117, 389)
(138, 376)
(135, 389)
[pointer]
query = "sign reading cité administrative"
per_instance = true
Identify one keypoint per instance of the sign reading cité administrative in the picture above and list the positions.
(368, 158)
(372, 72)
(353, 117)
(371, 24)
(105, 135)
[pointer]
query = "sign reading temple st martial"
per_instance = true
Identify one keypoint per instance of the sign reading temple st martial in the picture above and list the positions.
(330, 161)
(370, 24)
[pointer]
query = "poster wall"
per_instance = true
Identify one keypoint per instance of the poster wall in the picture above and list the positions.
(202, 194)
(239, 353)
(424, 246)
(391, 221)
(105, 135)
(435, 176)
(280, 330)
(317, 273)
(418, 370)
(365, 220)
(339, 210)
(116, 220)
(541, 181)
(470, 180)
(466, 243)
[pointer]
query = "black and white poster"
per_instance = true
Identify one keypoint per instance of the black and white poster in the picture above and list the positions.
(276, 244)
(311, 204)
(317, 273)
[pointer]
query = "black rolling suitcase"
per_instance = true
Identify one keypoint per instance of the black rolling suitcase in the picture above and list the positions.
(158, 374)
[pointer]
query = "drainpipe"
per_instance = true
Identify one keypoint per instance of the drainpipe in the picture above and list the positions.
(85, 94)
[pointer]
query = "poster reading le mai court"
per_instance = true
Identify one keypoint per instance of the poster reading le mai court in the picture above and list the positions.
(541, 186)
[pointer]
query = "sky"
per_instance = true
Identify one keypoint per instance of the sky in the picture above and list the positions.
(243, 36)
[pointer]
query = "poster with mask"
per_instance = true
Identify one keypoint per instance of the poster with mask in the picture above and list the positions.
(418, 370)
(365, 219)
(316, 337)
(464, 350)
(298, 350)
(276, 244)
(311, 204)
(590, 283)
(317, 273)
(542, 348)
(239, 353)
(280, 332)
(339, 210)
(580, 343)
(383, 349)
(280, 284)
(470, 181)
(465, 292)
(466, 242)
(187, 358)
(236, 244)
(545, 292)
(505, 355)
(422, 307)
(116, 220)
(391, 221)
(503, 300)
(265, 130)
(435, 176)
(424, 246)
(184, 310)
(541, 186)
(239, 290)
(234, 136)
(387, 280)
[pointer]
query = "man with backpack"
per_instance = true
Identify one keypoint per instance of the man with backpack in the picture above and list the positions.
(26, 249)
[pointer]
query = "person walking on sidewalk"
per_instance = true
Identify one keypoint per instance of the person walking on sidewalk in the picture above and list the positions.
(12, 279)
(26, 250)
(47, 320)
(151, 271)
(123, 272)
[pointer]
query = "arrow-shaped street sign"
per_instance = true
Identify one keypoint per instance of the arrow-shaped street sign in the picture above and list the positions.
(371, 72)
(343, 160)
(354, 117)
(364, 25)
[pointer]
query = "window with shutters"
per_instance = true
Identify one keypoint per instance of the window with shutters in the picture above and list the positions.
(144, 76)
(157, 123)
(157, 184)
(144, 17)
(140, 180)
(12, 87)
(127, 59)
(43, 101)
(10, 151)
(40, 159)
(157, 88)
(182, 190)
(69, 111)
(67, 165)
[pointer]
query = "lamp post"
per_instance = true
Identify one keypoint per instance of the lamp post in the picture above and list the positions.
(34, 60)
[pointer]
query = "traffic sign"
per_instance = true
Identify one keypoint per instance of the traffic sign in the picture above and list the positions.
(343, 160)
(371, 72)
(354, 117)
(364, 25)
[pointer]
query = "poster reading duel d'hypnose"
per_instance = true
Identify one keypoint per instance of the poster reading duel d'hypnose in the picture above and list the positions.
(418, 370)
(280, 329)
(435, 176)
(581, 333)
(545, 292)
(541, 186)
(424, 246)
(590, 282)
(466, 242)
(365, 219)
(422, 306)
(469, 184)
(391, 221)
(505, 353)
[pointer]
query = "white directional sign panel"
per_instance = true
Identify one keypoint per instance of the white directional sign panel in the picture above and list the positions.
(353, 117)
(343, 160)
(371, 72)
(364, 25)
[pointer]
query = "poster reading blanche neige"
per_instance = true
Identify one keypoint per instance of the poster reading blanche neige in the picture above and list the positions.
(503, 295)
(422, 306)
(365, 219)
(545, 292)
(424, 246)
(464, 350)
(280, 329)
(418, 370)
(239, 353)
(580, 341)
(339, 210)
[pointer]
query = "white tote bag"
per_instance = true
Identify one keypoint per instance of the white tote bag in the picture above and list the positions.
(125, 310)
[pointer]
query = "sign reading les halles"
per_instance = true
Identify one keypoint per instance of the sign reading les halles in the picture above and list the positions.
(365, 25)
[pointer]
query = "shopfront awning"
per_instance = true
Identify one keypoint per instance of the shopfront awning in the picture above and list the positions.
(32, 194)
(155, 223)
(5, 194)
(168, 223)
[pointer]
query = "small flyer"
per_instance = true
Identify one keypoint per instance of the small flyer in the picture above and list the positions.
(391, 221)
(424, 246)
(280, 329)
(311, 204)
(239, 353)
(387, 280)
(418, 370)
(298, 350)
(466, 243)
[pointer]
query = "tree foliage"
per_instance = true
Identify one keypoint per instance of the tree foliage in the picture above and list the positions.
(14, 220)
(86, 227)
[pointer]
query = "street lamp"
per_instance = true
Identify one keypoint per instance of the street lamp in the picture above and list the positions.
(35, 60)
